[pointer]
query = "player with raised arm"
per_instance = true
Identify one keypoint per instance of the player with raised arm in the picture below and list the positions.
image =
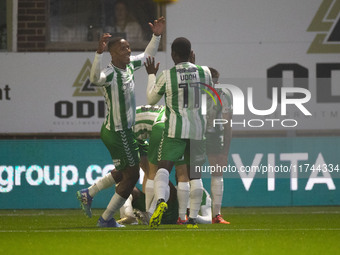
(117, 80)
(184, 124)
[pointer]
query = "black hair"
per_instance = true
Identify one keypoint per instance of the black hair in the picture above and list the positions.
(182, 47)
(113, 41)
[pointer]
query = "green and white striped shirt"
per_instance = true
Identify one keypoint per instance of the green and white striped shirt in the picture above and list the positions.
(119, 87)
(215, 110)
(146, 115)
(182, 86)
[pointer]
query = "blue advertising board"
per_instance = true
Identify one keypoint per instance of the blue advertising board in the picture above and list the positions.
(299, 171)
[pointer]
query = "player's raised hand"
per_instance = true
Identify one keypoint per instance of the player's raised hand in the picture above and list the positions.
(150, 66)
(158, 26)
(103, 43)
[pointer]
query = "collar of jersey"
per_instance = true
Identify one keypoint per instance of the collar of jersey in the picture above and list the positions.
(121, 70)
(181, 63)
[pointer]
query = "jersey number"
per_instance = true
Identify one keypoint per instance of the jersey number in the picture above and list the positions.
(185, 87)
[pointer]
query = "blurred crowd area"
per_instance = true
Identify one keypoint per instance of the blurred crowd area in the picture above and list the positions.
(86, 20)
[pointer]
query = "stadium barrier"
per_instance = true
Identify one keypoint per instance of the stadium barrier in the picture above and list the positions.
(266, 171)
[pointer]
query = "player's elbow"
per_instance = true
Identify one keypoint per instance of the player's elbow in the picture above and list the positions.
(152, 97)
(151, 101)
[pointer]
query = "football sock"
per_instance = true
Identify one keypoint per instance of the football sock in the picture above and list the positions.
(115, 204)
(149, 193)
(183, 193)
(127, 209)
(196, 193)
(216, 194)
(103, 183)
(162, 184)
(154, 201)
(152, 205)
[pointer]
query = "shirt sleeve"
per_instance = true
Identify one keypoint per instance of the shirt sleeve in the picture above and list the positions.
(150, 51)
(96, 75)
(152, 48)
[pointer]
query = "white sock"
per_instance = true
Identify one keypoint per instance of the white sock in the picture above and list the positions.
(105, 182)
(126, 209)
(154, 200)
(162, 184)
(152, 205)
(149, 193)
(115, 204)
(216, 194)
(183, 193)
(196, 193)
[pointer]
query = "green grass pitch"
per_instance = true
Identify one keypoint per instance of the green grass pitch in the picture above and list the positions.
(286, 230)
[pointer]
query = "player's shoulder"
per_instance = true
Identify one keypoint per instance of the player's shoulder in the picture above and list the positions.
(205, 69)
(109, 68)
(134, 58)
(162, 76)
(109, 71)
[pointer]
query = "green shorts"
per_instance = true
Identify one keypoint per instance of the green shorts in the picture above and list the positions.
(122, 146)
(192, 152)
(154, 142)
(143, 146)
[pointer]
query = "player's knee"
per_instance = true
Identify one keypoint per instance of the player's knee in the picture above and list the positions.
(117, 175)
(166, 165)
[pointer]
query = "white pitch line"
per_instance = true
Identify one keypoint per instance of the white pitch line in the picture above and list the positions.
(286, 213)
(168, 230)
(30, 215)
(232, 213)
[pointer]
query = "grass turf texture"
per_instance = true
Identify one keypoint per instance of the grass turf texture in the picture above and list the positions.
(288, 230)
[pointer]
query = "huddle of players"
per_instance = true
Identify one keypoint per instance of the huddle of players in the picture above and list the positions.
(180, 135)
(150, 124)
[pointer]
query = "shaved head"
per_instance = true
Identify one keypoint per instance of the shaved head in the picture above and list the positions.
(181, 46)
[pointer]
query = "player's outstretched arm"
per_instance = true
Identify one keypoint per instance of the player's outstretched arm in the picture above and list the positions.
(157, 28)
(96, 76)
(151, 92)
